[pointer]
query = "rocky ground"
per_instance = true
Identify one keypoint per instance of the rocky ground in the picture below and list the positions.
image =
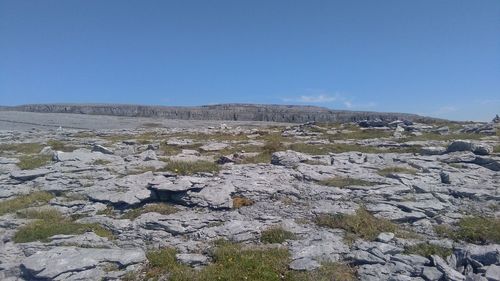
(367, 201)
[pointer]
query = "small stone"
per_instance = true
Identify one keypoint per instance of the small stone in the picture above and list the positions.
(192, 259)
(304, 264)
(385, 237)
(101, 149)
(445, 177)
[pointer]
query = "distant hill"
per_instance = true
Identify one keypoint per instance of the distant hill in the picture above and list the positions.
(234, 112)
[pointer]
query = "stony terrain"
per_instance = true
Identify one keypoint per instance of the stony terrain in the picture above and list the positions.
(371, 201)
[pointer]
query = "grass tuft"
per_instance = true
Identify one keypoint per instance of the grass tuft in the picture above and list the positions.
(33, 199)
(60, 146)
(276, 234)
(396, 170)
(50, 223)
(189, 168)
(345, 182)
(427, 249)
(479, 230)
(25, 148)
(29, 162)
(327, 272)
(362, 224)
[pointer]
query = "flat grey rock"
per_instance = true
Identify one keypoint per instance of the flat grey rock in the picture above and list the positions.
(25, 175)
(52, 263)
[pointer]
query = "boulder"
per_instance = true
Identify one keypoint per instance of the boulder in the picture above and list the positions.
(101, 149)
(474, 147)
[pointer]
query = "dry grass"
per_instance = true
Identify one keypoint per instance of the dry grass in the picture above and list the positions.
(345, 182)
(239, 202)
(33, 199)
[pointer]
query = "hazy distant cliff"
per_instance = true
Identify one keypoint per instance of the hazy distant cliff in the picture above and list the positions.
(236, 112)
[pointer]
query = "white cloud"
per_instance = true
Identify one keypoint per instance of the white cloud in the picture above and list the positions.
(316, 98)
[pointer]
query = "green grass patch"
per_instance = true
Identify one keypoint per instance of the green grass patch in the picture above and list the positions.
(396, 170)
(360, 134)
(25, 148)
(236, 262)
(50, 223)
(60, 146)
(161, 208)
(362, 224)
(323, 149)
(189, 168)
(447, 137)
(327, 272)
(21, 202)
(29, 162)
(474, 229)
(345, 182)
(427, 249)
(275, 234)
(496, 149)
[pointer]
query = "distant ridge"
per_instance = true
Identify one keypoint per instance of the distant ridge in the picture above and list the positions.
(233, 112)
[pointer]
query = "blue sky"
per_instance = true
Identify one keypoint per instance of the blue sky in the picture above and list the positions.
(433, 57)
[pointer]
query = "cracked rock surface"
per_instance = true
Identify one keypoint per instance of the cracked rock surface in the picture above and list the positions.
(124, 192)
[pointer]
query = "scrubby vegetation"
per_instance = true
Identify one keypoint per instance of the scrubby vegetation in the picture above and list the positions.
(50, 223)
(427, 249)
(396, 170)
(345, 182)
(276, 234)
(473, 229)
(362, 224)
(24, 201)
(161, 208)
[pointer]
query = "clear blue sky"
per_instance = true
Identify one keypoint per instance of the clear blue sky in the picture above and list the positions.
(432, 57)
